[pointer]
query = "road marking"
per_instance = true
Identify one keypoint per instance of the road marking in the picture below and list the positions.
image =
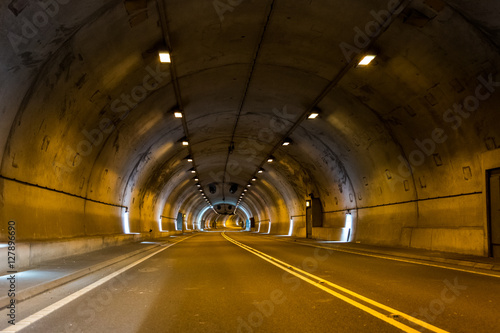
(53, 307)
(320, 283)
(389, 258)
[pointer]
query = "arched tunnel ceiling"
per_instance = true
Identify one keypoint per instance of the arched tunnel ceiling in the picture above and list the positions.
(87, 109)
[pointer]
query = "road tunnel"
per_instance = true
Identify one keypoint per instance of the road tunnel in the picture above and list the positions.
(371, 122)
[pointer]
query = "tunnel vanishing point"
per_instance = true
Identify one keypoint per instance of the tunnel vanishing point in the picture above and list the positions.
(364, 121)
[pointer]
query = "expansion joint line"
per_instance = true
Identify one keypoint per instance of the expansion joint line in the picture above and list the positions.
(247, 86)
(374, 308)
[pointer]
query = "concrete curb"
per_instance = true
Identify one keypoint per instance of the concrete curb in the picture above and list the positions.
(48, 285)
(458, 262)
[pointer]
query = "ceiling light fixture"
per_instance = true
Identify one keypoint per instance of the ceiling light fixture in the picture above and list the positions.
(178, 114)
(270, 160)
(366, 60)
(164, 56)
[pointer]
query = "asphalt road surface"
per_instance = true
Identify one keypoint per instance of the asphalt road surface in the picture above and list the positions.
(240, 282)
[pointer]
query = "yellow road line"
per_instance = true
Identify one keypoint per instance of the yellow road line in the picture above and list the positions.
(391, 258)
(284, 266)
(407, 261)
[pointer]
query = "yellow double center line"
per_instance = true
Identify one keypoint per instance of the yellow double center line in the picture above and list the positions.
(330, 288)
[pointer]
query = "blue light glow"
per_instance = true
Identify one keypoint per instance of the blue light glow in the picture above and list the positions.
(126, 222)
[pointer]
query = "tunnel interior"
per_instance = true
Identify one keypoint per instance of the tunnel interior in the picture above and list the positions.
(263, 120)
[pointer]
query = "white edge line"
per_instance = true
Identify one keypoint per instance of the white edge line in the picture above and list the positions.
(57, 305)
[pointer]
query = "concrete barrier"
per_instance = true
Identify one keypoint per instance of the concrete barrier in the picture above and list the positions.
(330, 234)
(29, 254)
(458, 240)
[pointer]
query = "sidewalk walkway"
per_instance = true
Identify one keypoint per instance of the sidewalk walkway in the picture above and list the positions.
(406, 253)
(51, 274)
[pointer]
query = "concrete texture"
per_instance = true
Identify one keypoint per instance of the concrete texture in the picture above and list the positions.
(89, 143)
(333, 234)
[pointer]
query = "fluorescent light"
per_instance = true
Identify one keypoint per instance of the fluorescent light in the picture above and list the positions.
(164, 57)
(286, 143)
(254, 179)
(125, 222)
(348, 221)
(185, 143)
(313, 115)
(366, 60)
(270, 160)
(178, 114)
(260, 171)
(190, 160)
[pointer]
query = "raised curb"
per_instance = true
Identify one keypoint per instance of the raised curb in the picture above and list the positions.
(30, 292)
(459, 262)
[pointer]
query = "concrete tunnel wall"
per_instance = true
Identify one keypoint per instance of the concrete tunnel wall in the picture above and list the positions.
(76, 154)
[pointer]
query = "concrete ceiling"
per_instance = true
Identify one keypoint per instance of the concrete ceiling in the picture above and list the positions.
(87, 109)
